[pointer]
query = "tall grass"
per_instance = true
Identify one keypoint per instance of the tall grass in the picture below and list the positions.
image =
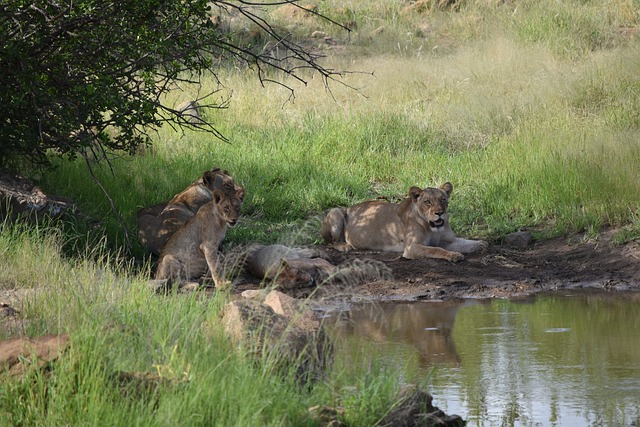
(529, 138)
(118, 325)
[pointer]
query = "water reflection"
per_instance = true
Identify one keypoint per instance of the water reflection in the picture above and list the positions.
(552, 360)
(427, 327)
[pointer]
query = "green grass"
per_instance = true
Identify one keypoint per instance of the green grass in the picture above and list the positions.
(533, 120)
(547, 143)
(117, 324)
(531, 110)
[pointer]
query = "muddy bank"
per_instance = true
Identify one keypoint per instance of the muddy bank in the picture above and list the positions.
(501, 272)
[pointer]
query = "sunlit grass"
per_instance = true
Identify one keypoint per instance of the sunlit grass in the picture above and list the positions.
(527, 138)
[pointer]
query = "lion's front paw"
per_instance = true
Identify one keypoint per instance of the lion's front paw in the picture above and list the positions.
(455, 257)
(482, 246)
(342, 247)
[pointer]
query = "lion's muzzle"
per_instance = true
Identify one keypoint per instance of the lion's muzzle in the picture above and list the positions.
(437, 223)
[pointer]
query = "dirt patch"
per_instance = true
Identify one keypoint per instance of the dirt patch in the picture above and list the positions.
(501, 272)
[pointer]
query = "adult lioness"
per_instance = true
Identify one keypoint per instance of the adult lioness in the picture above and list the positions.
(418, 227)
(194, 246)
(157, 223)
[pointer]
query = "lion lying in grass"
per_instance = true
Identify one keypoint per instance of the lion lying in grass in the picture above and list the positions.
(157, 223)
(418, 227)
(193, 248)
(291, 267)
(287, 266)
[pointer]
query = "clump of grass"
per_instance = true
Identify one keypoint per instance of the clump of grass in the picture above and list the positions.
(29, 255)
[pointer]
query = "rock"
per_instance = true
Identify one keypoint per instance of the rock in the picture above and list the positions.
(519, 239)
(12, 303)
(245, 318)
(291, 308)
(21, 199)
(416, 409)
(17, 298)
(16, 355)
(10, 321)
(259, 294)
(261, 329)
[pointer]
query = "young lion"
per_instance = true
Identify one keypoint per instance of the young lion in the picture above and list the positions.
(194, 247)
(418, 227)
(288, 266)
(157, 223)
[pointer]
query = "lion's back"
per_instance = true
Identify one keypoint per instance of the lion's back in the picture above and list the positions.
(374, 225)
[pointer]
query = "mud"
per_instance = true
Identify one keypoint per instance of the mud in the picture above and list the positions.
(501, 272)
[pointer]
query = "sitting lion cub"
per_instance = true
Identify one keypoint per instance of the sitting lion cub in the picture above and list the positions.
(157, 223)
(194, 247)
(418, 227)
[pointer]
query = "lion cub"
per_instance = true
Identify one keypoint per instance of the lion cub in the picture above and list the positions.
(418, 227)
(194, 247)
(288, 266)
(157, 223)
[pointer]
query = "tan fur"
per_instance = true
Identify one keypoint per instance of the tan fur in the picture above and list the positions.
(193, 248)
(157, 223)
(288, 266)
(418, 227)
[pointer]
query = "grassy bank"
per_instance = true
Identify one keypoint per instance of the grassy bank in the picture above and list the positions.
(530, 108)
(531, 112)
(117, 325)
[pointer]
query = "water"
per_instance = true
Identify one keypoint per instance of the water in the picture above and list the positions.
(550, 360)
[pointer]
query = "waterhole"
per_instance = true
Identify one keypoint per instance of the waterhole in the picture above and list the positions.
(549, 360)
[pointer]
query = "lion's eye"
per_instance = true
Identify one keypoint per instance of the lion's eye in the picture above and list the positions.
(443, 201)
(427, 202)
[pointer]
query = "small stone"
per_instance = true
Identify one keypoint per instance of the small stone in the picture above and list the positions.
(253, 294)
(519, 239)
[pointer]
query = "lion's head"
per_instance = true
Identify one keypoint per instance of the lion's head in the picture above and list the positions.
(229, 205)
(219, 179)
(432, 204)
(290, 276)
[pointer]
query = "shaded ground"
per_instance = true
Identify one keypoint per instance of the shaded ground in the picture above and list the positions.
(501, 272)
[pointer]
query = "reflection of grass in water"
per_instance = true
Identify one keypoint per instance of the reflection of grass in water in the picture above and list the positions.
(598, 349)
(361, 364)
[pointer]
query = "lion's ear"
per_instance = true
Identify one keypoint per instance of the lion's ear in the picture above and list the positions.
(241, 193)
(208, 177)
(414, 193)
(217, 195)
(447, 187)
